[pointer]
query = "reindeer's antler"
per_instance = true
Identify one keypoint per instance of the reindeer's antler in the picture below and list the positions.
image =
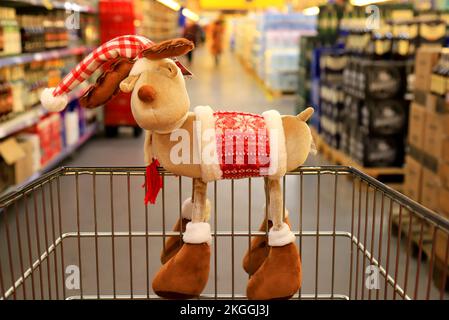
(168, 49)
(107, 85)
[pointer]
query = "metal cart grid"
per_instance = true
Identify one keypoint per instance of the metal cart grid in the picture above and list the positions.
(84, 233)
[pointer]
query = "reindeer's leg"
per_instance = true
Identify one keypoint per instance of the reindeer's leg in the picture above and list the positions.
(174, 243)
(279, 277)
(259, 249)
(186, 274)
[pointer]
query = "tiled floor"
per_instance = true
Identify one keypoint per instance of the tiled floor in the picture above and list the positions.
(330, 264)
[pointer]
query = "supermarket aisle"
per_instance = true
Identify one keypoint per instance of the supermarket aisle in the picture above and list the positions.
(230, 87)
(312, 201)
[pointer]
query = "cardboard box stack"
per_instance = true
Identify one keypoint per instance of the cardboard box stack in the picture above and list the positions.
(24, 154)
(19, 159)
(427, 161)
(421, 178)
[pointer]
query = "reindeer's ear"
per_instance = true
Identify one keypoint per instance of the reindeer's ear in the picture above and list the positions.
(107, 85)
(168, 49)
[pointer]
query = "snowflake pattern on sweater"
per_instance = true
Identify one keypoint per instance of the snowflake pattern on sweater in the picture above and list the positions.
(243, 145)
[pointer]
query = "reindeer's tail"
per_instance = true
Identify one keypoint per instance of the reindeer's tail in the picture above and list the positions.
(306, 114)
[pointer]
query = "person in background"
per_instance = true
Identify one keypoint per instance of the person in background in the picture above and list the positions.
(215, 34)
(191, 32)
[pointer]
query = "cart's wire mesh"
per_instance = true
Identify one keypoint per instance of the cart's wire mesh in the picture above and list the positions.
(85, 233)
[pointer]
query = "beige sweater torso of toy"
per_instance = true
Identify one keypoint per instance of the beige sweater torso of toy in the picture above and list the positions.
(297, 139)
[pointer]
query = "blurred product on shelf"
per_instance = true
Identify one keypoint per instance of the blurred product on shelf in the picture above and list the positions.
(332, 64)
(9, 32)
(440, 74)
(306, 45)
(72, 128)
(158, 21)
(330, 21)
(432, 31)
(89, 33)
(36, 32)
(40, 32)
(6, 96)
(267, 43)
(20, 93)
(49, 132)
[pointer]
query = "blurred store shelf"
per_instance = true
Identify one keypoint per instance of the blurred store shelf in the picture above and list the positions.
(72, 6)
(42, 56)
(29, 118)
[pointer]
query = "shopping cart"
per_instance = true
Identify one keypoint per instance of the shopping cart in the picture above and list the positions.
(85, 233)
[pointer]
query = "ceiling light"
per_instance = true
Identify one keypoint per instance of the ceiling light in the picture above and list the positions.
(190, 14)
(360, 3)
(312, 11)
(172, 4)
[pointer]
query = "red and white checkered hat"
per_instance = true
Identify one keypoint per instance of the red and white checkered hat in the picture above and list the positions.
(129, 46)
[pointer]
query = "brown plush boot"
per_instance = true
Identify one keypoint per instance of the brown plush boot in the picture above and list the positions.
(186, 275)
(174, 243)
(279, 277)
(259, 249)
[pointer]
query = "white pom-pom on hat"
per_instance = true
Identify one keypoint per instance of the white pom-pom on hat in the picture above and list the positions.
(52, 103)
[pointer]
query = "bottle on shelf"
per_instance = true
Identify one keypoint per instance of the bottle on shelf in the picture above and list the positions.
(440, 74)
(6, 99)
(9, 32)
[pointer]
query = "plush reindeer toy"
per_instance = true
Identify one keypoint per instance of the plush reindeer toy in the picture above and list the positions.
(233, 145)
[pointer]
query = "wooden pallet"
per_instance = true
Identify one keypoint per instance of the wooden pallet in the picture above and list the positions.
(440, 273)
(384, 174)
(415, 237)
(278, 93)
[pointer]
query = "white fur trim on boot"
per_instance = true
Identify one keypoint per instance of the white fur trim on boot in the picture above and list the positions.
(187, 209)
(280, 238)
(197, 232)
(52, 103)
(278, 150)
(206, 144)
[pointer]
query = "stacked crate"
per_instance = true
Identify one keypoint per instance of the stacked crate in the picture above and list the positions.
(306, 45)
(438, 130)
(375, 124)
(426, 129)
(332, 64)
(427, 162)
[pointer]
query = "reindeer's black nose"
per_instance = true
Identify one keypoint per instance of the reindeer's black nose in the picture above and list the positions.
(146, 93)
